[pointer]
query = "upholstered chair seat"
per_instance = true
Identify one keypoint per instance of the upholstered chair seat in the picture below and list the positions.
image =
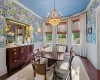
(41, 70)
(61, 48)
(49, 76)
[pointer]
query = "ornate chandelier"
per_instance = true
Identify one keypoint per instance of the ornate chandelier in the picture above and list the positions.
(54, 20)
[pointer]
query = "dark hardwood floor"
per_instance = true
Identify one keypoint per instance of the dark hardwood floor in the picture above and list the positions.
(93, 73)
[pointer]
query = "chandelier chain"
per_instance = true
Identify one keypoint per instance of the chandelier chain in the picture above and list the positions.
(54, 4)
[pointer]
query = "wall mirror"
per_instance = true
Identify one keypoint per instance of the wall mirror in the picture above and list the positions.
(15, 32)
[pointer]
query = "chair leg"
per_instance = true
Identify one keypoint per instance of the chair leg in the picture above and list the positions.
(67, 78)
(45, 78)
(70, 75)
(34, 74)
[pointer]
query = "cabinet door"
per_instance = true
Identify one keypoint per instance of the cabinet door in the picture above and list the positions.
(21, 55)
(31, 51)
(27, 53)
(13, 54)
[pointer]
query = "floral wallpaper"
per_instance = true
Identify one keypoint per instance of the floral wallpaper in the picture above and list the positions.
(2, 20)
(14, 11)
(91, 22)
(2, 34)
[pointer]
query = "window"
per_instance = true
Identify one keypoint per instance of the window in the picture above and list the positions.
(62, 39)
(76, 31)
(76, 38)
(48, 38)
(48, 33)
(62, 33)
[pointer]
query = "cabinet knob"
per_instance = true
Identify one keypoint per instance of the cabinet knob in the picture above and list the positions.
(15, 60)
(22, 50)
(23, 57)
(14, 49)
(14, 52)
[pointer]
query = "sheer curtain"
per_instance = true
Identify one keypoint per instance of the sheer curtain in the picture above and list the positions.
(83, 34)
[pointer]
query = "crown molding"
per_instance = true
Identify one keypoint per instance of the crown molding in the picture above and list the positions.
(98, 1)
(75, 15)
(89, 5)
(97, 9)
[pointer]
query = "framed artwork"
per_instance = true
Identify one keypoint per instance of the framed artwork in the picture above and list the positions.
(90, 30)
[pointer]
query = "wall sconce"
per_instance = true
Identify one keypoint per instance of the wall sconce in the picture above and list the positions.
(7, 29)
(38, 30)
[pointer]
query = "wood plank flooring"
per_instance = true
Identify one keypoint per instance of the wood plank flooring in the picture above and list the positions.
(93, 73)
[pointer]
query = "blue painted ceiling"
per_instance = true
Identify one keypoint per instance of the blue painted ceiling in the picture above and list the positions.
(66, 7)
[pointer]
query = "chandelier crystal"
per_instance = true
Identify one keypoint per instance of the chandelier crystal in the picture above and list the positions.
(54, 20)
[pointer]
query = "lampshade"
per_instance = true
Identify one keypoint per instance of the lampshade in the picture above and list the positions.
(38, 30)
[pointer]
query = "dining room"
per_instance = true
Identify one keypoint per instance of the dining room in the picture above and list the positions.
(49, 39)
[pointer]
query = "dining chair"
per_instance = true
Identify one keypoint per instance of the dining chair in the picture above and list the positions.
(65, 68)
(40, 59)
(42, 71)
(35, 58)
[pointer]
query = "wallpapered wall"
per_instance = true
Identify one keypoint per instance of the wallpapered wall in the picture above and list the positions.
(14, 11)
(2, 26)
(91, 22)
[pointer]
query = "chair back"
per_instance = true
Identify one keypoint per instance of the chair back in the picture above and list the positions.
(39, 68)
(71, 58)
(66, 49)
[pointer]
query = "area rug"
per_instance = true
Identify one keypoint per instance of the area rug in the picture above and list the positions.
(78, 69)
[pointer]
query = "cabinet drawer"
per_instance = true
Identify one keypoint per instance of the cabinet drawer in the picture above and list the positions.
(14, 49)
(15, 54)
(21, 51)
(14, 63)
(18, 56)
(21, 60)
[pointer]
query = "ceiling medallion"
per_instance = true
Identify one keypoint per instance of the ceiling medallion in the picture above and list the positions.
(54, 20)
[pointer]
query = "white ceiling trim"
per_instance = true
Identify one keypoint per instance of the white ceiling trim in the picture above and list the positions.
(75, 15)
(98, 1)
(97, 9)
(89, 5)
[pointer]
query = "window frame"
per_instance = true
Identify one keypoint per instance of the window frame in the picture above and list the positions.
(73, 39)
(66, 39)
(46, 40)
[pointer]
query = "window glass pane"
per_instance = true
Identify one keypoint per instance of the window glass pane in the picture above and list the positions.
(76, 38)
(62, 39)
(48, 38)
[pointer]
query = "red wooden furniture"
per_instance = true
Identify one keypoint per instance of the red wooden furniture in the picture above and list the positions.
(17, 56)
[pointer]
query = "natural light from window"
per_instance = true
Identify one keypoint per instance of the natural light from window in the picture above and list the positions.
(62, 39)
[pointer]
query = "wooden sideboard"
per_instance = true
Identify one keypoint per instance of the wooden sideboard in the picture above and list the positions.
(17, 56)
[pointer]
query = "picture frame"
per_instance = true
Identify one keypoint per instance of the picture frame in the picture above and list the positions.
(90, 30)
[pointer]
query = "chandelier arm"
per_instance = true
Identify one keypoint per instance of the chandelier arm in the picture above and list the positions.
(54, 20)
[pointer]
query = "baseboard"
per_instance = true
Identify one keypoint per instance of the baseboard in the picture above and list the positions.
(92, 63)
(3, 71)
